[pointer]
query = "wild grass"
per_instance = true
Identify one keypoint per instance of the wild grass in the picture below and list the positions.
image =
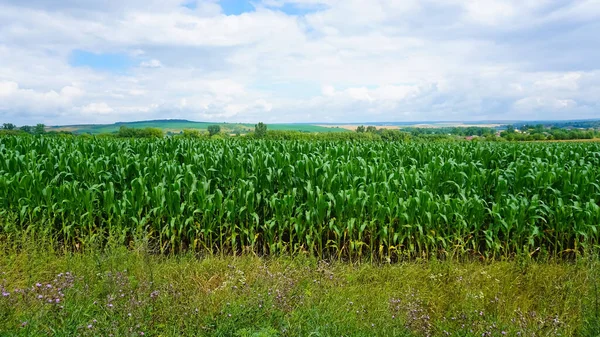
(133, 292)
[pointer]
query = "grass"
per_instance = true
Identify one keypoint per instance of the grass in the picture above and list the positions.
(132, 292)
(179, 125)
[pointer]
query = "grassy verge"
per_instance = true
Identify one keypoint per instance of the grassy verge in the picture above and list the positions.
(121, 292)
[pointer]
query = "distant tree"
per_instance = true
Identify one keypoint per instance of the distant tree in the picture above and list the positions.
(260, 130)
(191, 133)
(213, 130)
(8, 126)
(510, 129)
(360, 129)
(393, 135)
(26, 128)
(371, 129)
(538, 136)
(39, 129)
(152, 133)
(539, 128)
(125, 132)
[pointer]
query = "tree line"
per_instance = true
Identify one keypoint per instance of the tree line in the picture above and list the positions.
(526, 132)
(530, 132)
(38, 129)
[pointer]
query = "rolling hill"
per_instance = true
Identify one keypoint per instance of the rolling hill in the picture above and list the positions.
(177, 125)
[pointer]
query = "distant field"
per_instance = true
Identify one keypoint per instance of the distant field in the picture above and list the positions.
(303, 128)
(177, 126)
(353, 127)
(568, 140)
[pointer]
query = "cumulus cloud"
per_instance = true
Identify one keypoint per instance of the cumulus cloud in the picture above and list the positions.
(324, 60)
(151, 64)
(8, 88)
(97, 108)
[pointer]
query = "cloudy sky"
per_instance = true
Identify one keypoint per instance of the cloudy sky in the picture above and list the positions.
(91, 61)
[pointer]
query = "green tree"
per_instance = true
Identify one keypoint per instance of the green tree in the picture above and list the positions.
(26, 128)
(191, 133)
(125, 132)
(39, 129)
(371, 129)
(360, 129)
(213, 130)
(260, 130)
(538, 136)
(8, 126)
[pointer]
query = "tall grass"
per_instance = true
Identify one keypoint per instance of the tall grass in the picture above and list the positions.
(132, 292)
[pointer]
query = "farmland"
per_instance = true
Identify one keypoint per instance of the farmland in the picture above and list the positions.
(176, 126)
(381, 201)
(243, 237)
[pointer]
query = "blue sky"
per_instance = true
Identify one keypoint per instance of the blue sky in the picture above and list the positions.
(236, 7)
(113, 62)
(298, 60)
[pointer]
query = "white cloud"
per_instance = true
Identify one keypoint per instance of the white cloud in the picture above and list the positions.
(151, 64)
(26, 101)
(537, 102)
(97, 108)
(8, 88)
(136, 92)
(567, 81)
(490, 12)
(351, 60)
(71, 92)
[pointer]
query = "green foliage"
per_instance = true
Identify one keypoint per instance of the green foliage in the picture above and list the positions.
(371, 129)
(260, 130)
(343, 199)
(8, 126)
(39, 129)
(425, 134)
(578, 124)
(393, 135)
(175, 125)
(26, 128)
(538, 132)
(213, 130)
(191, 133)
(11, 132)
(125, 132)
(129, 292)
(451, 131)
(330, 136)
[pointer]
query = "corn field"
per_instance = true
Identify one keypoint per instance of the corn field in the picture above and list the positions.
(331, 199)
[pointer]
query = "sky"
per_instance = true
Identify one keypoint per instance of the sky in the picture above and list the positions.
(283, 61)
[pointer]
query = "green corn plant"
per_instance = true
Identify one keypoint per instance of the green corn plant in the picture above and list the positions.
(384, 201)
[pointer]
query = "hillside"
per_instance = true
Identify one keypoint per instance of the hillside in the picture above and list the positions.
(177, 125)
